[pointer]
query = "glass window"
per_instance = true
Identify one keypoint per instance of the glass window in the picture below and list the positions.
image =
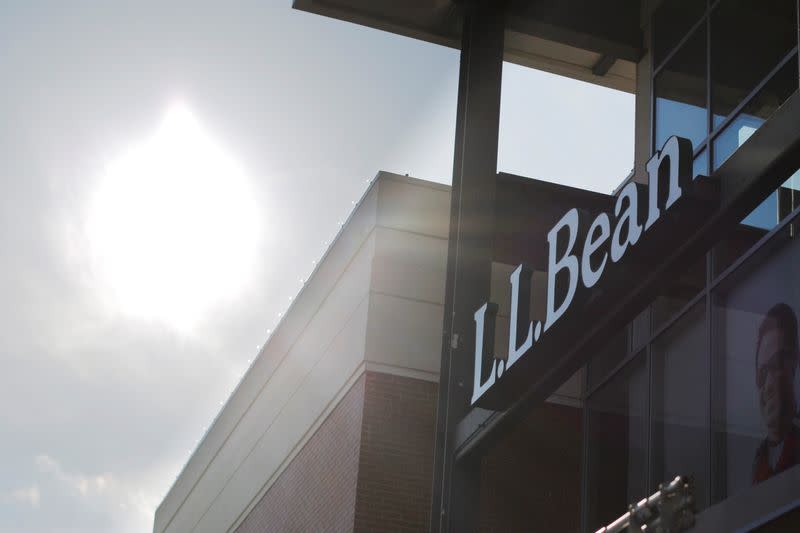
(734, 245)
(680, 93)
(679, 293)
(788, 196)
(640, 329)
(756, 112)
(673, 20)
(757, 356)
(607, 359)
(700, 165)
(617, 436)
(532, 474)
(680, 403)
(765, 216)
(748, 38)
(760, 221)
(734, 136)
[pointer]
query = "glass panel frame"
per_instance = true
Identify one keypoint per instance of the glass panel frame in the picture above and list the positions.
(748, 38)
(680, 93)
(713, 128)
(735, 439)
(680, 410)
(605, 422)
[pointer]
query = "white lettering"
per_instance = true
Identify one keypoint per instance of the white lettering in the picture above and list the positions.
(630, 218)
(478, 388)
(593, 242)
(568, 262)
(677, 152)
(519, 313)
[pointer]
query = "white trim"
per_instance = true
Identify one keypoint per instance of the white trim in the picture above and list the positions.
(332, 404)
(402, 371)
(259, 389)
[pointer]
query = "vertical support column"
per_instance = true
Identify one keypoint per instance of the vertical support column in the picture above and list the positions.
(469, 260)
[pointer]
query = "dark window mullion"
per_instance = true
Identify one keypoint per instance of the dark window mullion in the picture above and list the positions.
(649, 421)
(648, 446)
(719, 480)
(711, 455)
(585, 481)
(709, 71)
(653, 85)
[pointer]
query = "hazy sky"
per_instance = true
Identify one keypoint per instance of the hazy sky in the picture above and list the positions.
(123, 325)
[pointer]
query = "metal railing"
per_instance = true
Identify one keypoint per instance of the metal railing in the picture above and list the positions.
(669, 510)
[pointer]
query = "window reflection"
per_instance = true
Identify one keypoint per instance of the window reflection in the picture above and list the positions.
(640, 329)
(758, 353)
(680, 402)
(679, 292)
(672, 22)
(680, 93)
(748, 39)
(756, 112)
(734, 136)
(532, 474)
(607, 359)
(766, 216)
(617, 437)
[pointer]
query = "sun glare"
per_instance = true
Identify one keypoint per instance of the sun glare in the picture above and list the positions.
(173, 224)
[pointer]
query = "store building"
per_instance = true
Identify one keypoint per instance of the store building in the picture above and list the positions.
(682, 323)
(593, 346)
(333, 426)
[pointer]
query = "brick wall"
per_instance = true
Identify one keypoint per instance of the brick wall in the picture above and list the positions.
(317, 491)
(396, 464)
(368, 467)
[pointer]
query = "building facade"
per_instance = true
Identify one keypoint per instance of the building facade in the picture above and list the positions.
(674, 305)
(590, 347)
(332, 427)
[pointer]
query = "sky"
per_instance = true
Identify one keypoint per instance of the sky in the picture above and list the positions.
(133, 297)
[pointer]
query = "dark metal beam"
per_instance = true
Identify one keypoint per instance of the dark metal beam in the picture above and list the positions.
(603, 65)
(469, 260)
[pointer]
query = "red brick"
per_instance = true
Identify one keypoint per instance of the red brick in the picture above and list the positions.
(368, 467)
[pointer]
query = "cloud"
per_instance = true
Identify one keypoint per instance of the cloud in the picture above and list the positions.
(84, 485)
(25, 495)
(98, 491)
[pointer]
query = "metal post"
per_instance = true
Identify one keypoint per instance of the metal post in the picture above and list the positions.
(456, 485)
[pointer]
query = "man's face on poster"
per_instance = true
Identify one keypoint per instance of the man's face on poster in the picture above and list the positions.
(776, 364)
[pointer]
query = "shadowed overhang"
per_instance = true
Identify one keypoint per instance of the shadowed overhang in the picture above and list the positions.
(597, 42)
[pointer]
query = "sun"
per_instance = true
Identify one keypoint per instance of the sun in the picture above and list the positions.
(173, 224)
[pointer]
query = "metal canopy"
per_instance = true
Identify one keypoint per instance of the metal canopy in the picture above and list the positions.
(597, 42)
